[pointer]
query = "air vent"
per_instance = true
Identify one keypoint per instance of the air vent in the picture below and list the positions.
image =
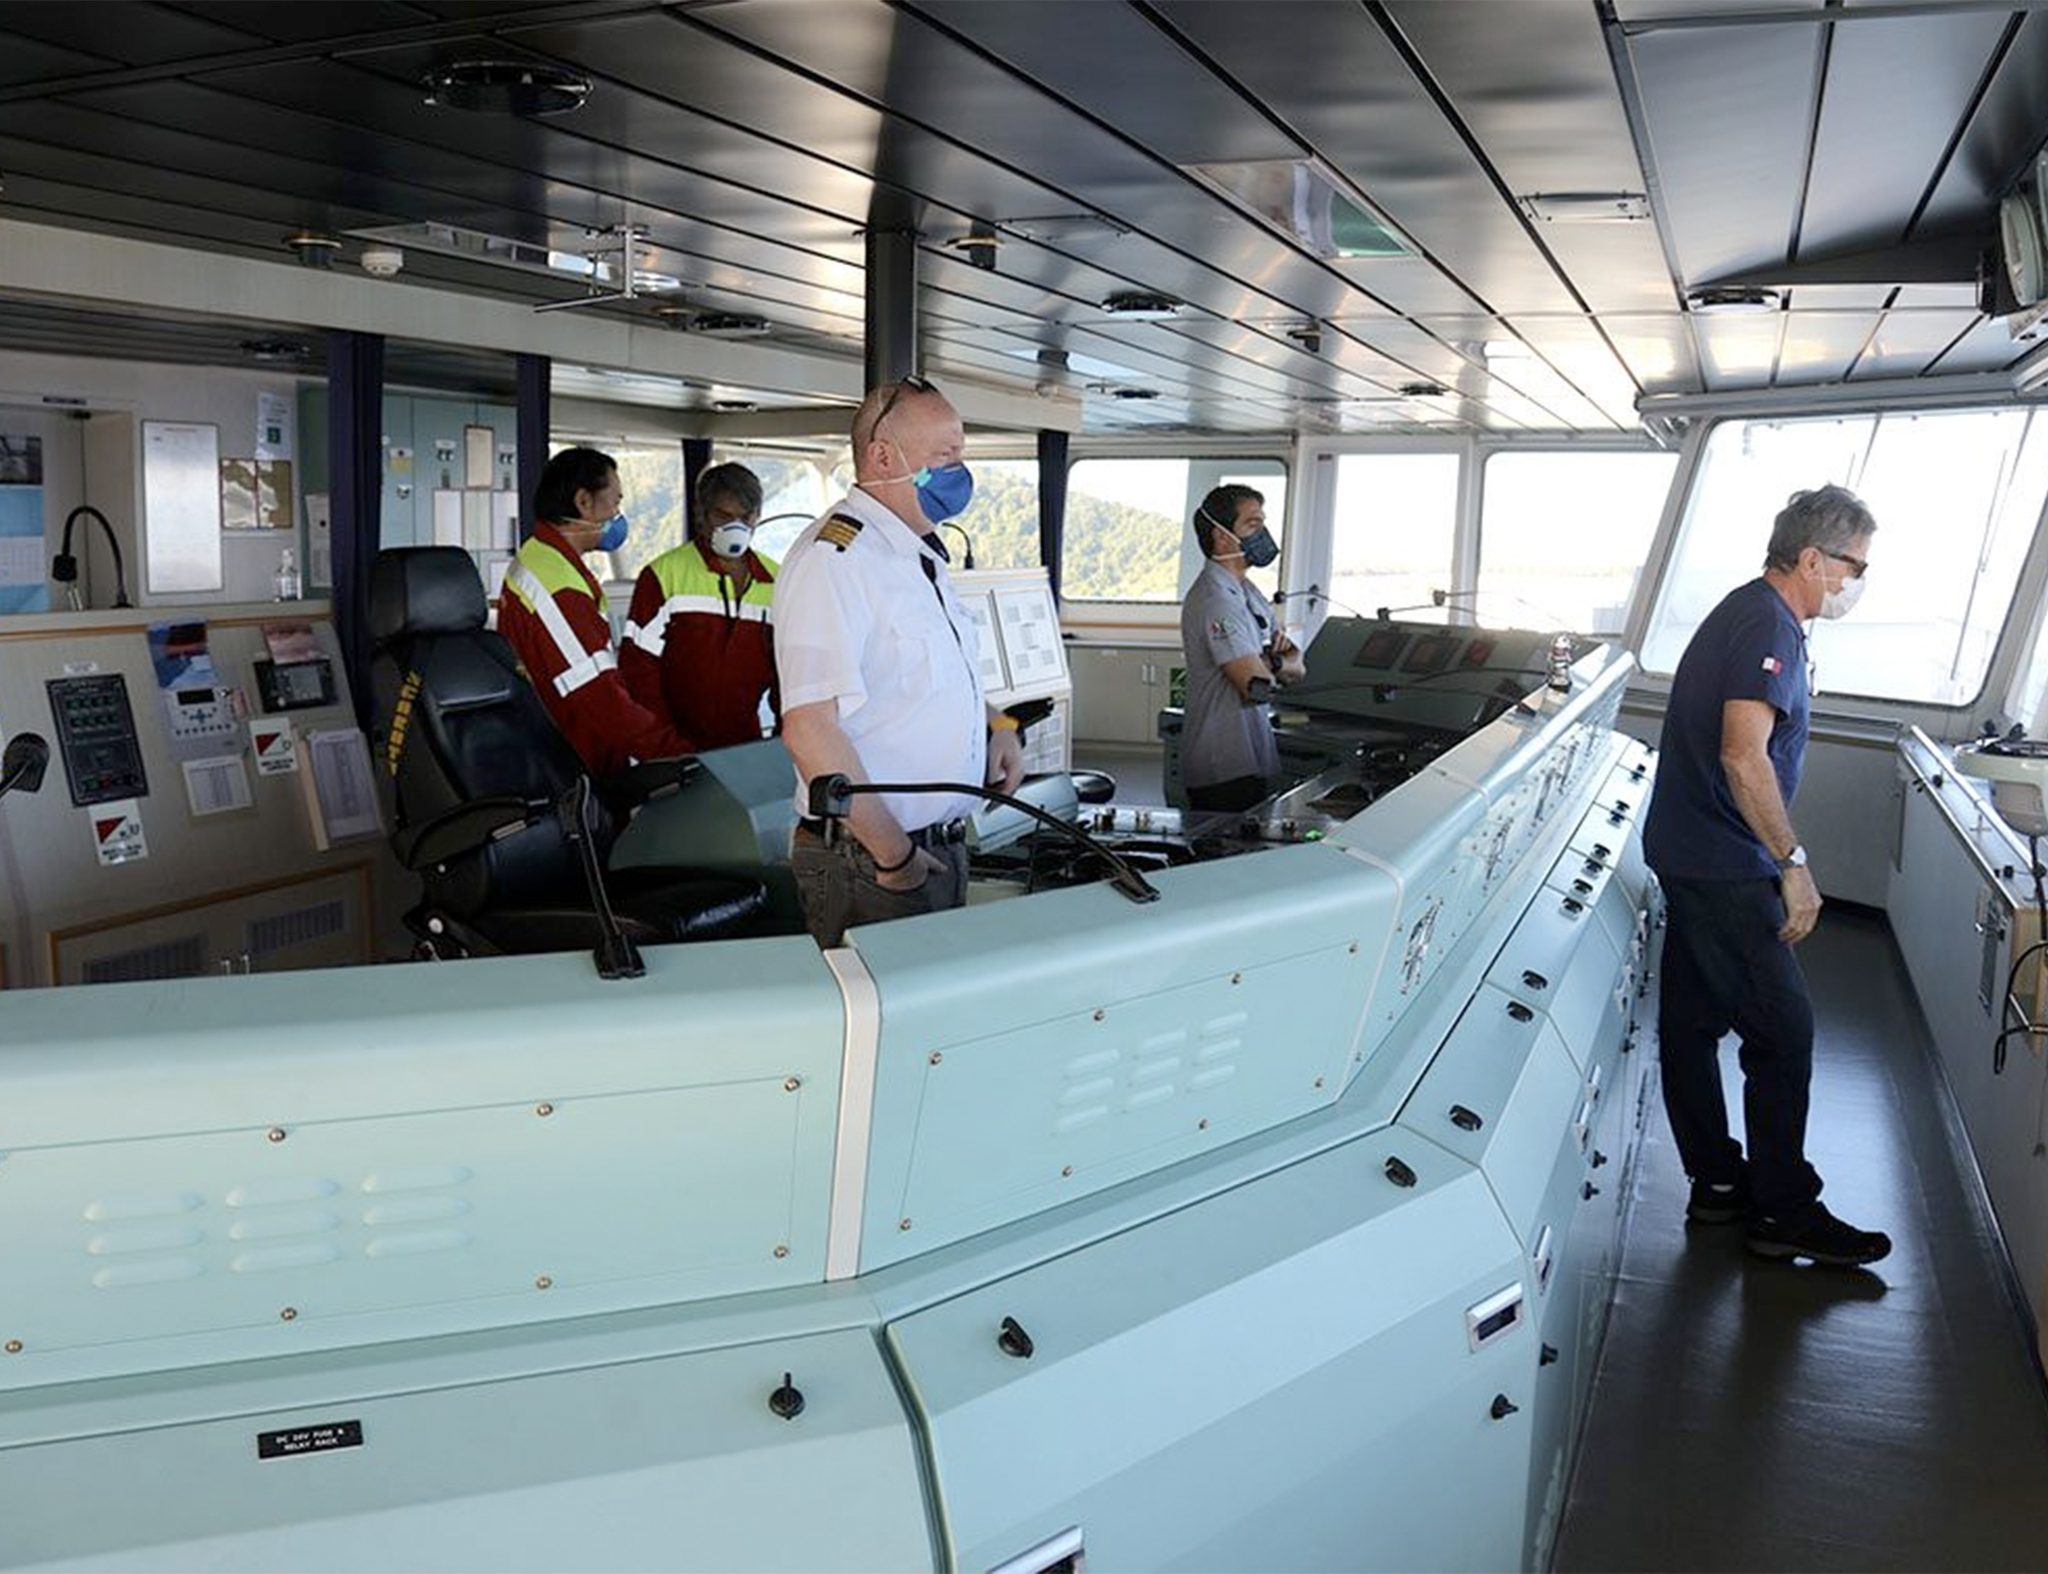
(275, 351)
(1423, 390)
(734, 406)
(1134, 393)
(1730, 299)
(506, 87)
(302, 927)
(729, 325)
(1141, 306)
(184, 957)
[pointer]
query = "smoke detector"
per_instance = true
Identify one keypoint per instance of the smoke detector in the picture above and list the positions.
(382, 262)
(313, 249)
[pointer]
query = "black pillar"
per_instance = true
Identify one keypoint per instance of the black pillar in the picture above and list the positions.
(1052, 503)
(891, 303)
(355, 463)
(696, 460)
(534, 382)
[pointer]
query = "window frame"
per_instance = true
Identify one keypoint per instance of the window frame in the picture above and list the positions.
(1082, 612)
(2009, 650)
(1486, 451)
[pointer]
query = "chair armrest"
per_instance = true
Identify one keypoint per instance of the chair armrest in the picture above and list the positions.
(463, 829)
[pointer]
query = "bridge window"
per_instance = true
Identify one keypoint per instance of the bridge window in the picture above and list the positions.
(1002, 520)
(1956, 494)
(794, 492)
(1392, 538)
(1129, 532)
(1563, 535)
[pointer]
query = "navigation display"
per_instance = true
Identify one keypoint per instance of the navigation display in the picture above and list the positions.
(1431, 653)
(1381, 649)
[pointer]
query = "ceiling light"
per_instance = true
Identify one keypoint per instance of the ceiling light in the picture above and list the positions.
(1141, 306)
(728, 325)
(506, 87)
(1732, 299)
(313, 249)
(1308, 202)
(1586, 207)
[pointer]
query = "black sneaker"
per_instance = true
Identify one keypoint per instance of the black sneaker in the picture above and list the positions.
(1725, 1202)
(1816, 1234)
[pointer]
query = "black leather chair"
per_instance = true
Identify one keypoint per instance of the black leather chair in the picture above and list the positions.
(491, 801)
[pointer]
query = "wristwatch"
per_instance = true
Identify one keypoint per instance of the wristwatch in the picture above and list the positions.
(1795, 859)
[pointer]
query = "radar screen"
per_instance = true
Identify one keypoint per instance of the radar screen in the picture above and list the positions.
(1381, 649)
(1431, 653)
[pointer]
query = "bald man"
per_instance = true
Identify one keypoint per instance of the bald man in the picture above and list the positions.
(880, 682)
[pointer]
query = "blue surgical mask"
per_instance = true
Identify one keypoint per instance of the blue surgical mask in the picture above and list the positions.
(943, 492)
(614, 534)
(1259, 548)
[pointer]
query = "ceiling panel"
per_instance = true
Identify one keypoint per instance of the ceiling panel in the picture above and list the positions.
(135, 35)
(1906, 342)
(1577, 348)
(1988, 347)
(305, 20)
(1821, 346)
(1728, 111)
(1896, 91)
(30, 60)
(1739, 350)
(1657, 348)
(2008, 127)
(1535, 85)
(1337, 81)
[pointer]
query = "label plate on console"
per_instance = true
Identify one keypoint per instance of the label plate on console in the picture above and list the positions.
(309, 1439)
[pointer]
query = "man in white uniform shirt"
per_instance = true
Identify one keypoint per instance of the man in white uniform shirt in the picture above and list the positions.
(879, 677)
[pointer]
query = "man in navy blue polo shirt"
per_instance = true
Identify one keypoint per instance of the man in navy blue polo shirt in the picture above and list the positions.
(1739, 894)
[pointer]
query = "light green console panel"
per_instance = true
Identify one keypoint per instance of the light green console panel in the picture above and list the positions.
(287, 1162)
(1290, 1375)
(530, 1459)
(1032, 1052)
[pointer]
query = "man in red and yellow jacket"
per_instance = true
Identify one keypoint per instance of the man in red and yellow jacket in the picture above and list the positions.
(699, 647)
(552, 614)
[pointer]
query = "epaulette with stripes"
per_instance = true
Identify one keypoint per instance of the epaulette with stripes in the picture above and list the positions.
(840, 530)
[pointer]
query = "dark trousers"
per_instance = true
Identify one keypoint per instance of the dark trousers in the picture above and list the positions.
(838, 889)
(1726, 969)
(1240, 792)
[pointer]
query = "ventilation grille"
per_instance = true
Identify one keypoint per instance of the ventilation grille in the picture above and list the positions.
(300, 927)
(184, 957)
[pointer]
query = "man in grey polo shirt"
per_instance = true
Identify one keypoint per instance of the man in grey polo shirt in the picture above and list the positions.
(1235, 655)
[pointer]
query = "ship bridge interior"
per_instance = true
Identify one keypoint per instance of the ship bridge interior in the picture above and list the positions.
(1287, 1187)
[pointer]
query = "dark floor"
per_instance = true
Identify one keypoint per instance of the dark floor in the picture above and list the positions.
(1750, 1415)
(1136, 767)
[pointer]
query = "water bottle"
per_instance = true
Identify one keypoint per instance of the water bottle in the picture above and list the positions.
(288, 587)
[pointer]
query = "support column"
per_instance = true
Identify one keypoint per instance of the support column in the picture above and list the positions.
(1052, 504)
(534, 373)
(696, 460)
(891, 304)
(355, 465)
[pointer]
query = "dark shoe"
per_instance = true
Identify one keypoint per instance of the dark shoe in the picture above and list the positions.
(1725, 1203)
(1816, 1234)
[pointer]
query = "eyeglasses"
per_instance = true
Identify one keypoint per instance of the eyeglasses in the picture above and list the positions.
(1858, 567)
(903, 385)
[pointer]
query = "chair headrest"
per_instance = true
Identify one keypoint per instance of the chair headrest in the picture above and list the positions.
(424, 590)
